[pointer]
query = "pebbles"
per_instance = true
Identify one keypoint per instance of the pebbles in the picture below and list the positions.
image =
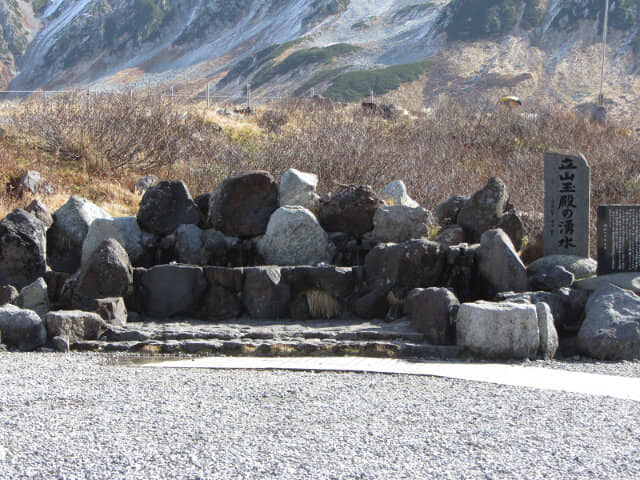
(79, 416)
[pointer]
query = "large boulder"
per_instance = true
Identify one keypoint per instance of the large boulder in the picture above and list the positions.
(611, 328)
(498, 330)
(107, 273)
(21, 329)
(219, 303)
(125, 230)
(399, 223)
(447, 211)
(580, 267)
(65, 237)
(165, 206)
(76, 325)
(499, 264)
(243, 203)
(22, 249)
(299, 188)
(294, 237)
(265, 295)
(483, 211)
(350, 211)
(413, 264)
(206, 247)
(552, 278)
(171, 290)
(395, 193)
(337, 281)
(35, 296)
(432, 311)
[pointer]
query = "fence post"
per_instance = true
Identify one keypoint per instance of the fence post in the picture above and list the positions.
(372, 95)
(313, 92)
(208, 97)
(249, 96)
(171, 93)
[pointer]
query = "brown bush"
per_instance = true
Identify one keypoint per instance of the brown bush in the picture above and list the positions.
(451, 148)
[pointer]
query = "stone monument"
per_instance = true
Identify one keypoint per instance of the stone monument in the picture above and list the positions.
(618, 238)
(567, 182)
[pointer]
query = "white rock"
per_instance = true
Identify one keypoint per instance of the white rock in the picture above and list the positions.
(395, 193)
(35, 296)
(498, 330)
(123, 229)
(294, 237)
(299, 188)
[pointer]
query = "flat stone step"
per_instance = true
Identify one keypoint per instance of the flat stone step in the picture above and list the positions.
(274, 347)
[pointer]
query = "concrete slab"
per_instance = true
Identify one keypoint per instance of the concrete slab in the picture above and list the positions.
(502, 374)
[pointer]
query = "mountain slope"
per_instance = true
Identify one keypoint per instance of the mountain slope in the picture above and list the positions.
(528, 47)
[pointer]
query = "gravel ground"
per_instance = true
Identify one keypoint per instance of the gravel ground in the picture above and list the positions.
(80, 416)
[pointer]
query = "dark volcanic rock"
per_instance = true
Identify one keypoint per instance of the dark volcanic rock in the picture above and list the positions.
(22, 249)
(166, 206)
(243, 203)
(350, 211)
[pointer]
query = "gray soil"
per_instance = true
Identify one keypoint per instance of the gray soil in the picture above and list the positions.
(87, 416)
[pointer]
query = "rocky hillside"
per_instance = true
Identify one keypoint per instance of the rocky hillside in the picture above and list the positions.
(345, 48)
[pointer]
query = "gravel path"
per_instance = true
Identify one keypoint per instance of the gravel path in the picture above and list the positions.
(78, 416)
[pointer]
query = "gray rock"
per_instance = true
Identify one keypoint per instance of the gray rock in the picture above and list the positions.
(206, 247)
(41, 212)
(498, 330)
(548, 333)
(265, 295)
(431, 311)
(611, 328)
(123, 229)
(33, 182)
(511, 224)
(145, 183)
(166, 206)
(399, 223)
(294, 237)
(112, 310)
(627, 280)
(76, 325)
(22, 249)
(373, 304)
(107, 273)
(499, 264)
(171, 290)
(21, 329)
(567, 305)
(219, 303)
(551, 279)
(581, 267)
(299, 188)
(61, 343)
(451, 235)
(65, 237)
(243, 203)
(350, 210)
(35, 296)
(447, 212)
(230, 278)
(412, 264)
(8, 294)
(483, 210)
(337, 281)
(395, 193)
